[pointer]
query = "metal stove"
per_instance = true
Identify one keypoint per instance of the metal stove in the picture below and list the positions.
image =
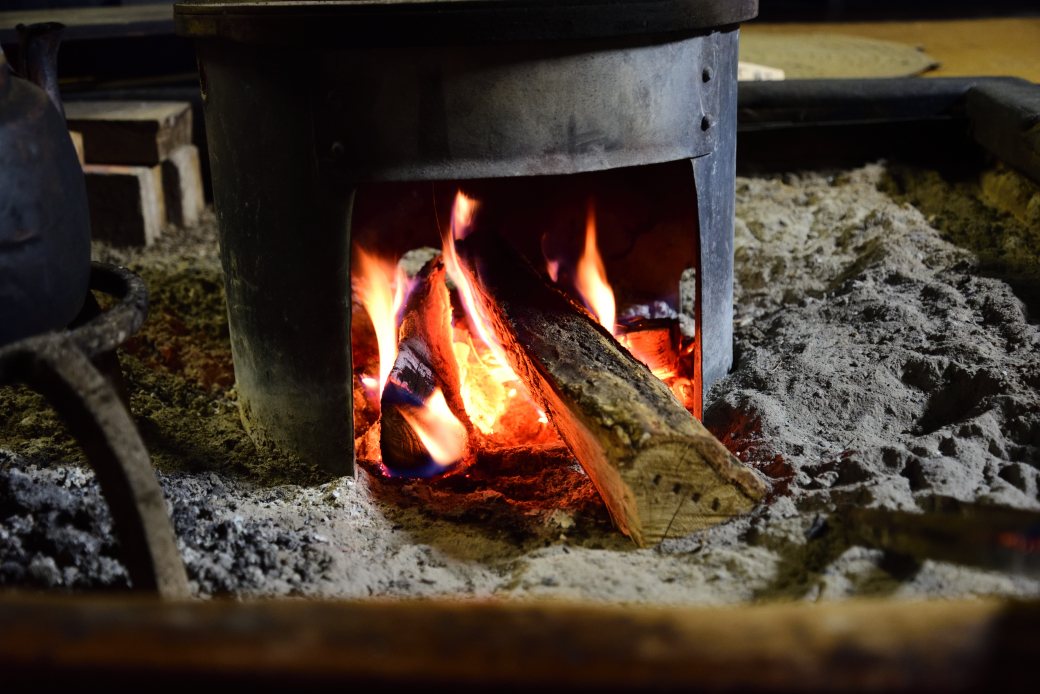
(328, 120)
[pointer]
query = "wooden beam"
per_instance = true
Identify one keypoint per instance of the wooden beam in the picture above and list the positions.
(854, 646)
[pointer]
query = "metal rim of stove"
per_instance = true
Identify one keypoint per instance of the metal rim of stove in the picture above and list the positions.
(77, 371)
(419, 22)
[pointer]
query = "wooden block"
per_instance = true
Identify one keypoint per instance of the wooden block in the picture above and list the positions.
(126, 203)
(77, 142)
(140, 133)
(182, 186)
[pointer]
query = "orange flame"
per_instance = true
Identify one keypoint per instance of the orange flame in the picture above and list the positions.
(489, 384)
(438, 429)
(462, 218)
(381, 288)
(591, 281)
(598, 295)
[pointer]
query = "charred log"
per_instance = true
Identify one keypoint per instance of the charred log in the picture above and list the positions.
(659, 471)
(425, 363)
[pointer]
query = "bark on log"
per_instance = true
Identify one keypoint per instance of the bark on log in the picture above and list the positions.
(660, 472)
(425, 361)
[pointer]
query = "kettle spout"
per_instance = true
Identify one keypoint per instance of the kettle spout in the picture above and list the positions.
(38, 49)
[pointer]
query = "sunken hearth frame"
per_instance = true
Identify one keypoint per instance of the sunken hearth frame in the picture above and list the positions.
(967, 645)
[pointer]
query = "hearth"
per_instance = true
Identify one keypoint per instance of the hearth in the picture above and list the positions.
(595, 140)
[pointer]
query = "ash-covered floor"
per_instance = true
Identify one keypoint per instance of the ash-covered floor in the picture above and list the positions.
(879, 361)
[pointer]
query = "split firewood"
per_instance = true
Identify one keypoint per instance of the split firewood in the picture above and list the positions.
(654, 341)
(659, 471)
(425, 364)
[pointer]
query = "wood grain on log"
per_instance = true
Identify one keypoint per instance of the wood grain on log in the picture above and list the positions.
(425, 362)
(660, 472)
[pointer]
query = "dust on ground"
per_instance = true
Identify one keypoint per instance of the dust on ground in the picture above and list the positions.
(880, 358)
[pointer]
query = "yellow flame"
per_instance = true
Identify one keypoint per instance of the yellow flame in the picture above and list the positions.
(438, 429)
(591, 280)
(381, 288)
(461, 226)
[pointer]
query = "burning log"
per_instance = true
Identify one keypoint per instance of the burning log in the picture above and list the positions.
(655, 341)
(659, 471)
(421, 406)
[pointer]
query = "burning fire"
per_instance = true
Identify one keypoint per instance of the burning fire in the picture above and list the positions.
(440, 431)
(462, 219)
(591, 280)
(495, 400)
(490, 388)
(381, 287)
(598, 296)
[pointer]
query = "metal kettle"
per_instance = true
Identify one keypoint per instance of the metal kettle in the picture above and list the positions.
(44, 220)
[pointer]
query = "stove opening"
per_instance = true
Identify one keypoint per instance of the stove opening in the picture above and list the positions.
(434, 387)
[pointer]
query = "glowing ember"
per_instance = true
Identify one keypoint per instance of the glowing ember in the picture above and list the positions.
(591, 280)
(481, 392)
(381, 287)
(443, 436)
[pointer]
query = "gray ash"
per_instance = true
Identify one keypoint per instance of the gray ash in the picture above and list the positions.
(56, 533)
(55, 529)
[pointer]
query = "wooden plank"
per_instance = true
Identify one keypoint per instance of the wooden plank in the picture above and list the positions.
(127, 207)
(865, 645)
(77, 142)
(138, 133)
(182, 186)
(93, 22)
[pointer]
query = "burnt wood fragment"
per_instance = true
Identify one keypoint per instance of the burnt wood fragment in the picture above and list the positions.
(425, 362)
(659, 471)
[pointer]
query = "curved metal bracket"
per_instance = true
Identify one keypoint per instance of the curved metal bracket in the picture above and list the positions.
(59, 366)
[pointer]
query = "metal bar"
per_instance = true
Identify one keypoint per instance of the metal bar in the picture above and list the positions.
(96, 416)
(59, 366)
(714, 180)
(1006, 119)
(450, 22)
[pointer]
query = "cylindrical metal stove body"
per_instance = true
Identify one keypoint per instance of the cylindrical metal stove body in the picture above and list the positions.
(295, 125)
